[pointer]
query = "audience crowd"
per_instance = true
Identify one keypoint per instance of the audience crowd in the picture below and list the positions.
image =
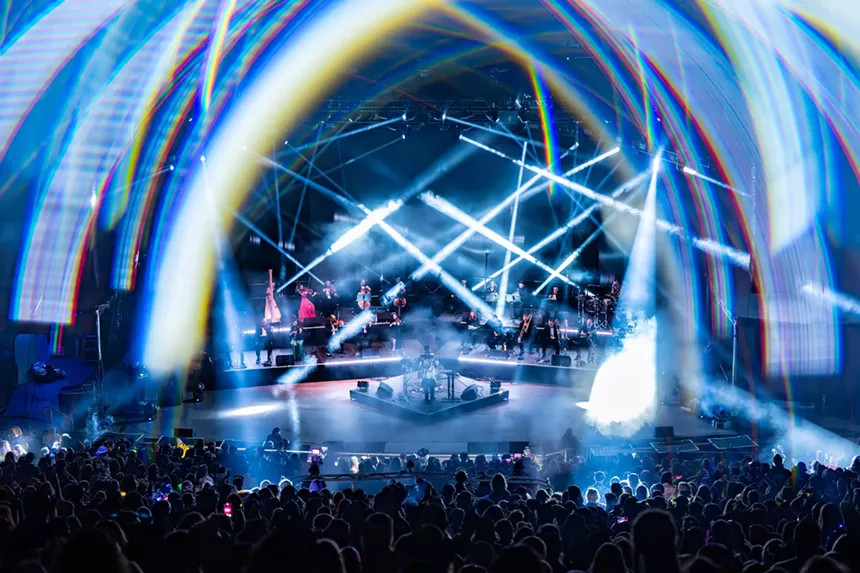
(178, 508)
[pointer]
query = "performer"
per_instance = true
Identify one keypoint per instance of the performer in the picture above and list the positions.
(522, 297)
(586, 342)
(553, 301)
(265, 338)
(551, 338)
(470, 335)
(400, 296)
(491, 292)
(329, 291)
(297, 341)
(306, 307)
(615, 290)
(396, 326)
(524, 337)
(496, 338)
(362, 299)
(428, 368)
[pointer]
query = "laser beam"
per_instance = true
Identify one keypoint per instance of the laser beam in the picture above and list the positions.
(559, 232)
(459, 240)
(737, 257)
(447, 208)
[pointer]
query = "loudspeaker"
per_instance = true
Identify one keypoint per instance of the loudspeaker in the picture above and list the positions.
(470, 393)
(561, 360)
(183, 433)
(370, 353)
(664, 432)
(384, 391)
(285, 359)
(497, 354)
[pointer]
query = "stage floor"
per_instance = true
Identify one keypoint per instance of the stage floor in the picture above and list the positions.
(322, 411)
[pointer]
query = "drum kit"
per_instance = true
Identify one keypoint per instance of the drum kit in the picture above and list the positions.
(601, 308)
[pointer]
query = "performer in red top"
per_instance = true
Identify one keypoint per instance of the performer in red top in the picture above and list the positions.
(306, 307)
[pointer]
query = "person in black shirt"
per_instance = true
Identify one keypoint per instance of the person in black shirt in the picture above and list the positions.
(472, 327)
(265, 339)
(275, 439)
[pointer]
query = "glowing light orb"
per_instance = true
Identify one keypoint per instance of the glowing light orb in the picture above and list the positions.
(624, 393)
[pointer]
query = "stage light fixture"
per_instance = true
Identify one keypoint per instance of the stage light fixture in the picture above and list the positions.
(363, 386)
(495, 386)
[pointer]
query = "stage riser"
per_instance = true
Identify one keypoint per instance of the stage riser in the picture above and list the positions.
(579, 379)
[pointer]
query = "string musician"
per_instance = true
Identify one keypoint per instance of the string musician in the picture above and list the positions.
(330, 292)
(362, 299)
(524, 335)
(306, 306)
(400, 296)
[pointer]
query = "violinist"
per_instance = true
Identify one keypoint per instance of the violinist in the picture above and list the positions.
(306, 307)
(329, 291)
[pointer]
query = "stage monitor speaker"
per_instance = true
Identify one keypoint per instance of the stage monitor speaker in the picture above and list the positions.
(664, 432)
(183, 433)
(470, 393)
(497, 354)
(561, 360)
(285, 359)
(384, 391)
(369, 353)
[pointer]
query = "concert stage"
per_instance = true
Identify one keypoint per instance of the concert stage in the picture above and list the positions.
(476, 364)
(402, 396)
(316, 412)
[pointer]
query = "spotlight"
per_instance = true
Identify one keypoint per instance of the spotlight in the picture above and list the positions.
(363, 386)
(203, 159)
(171, 167)
(403, 117)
